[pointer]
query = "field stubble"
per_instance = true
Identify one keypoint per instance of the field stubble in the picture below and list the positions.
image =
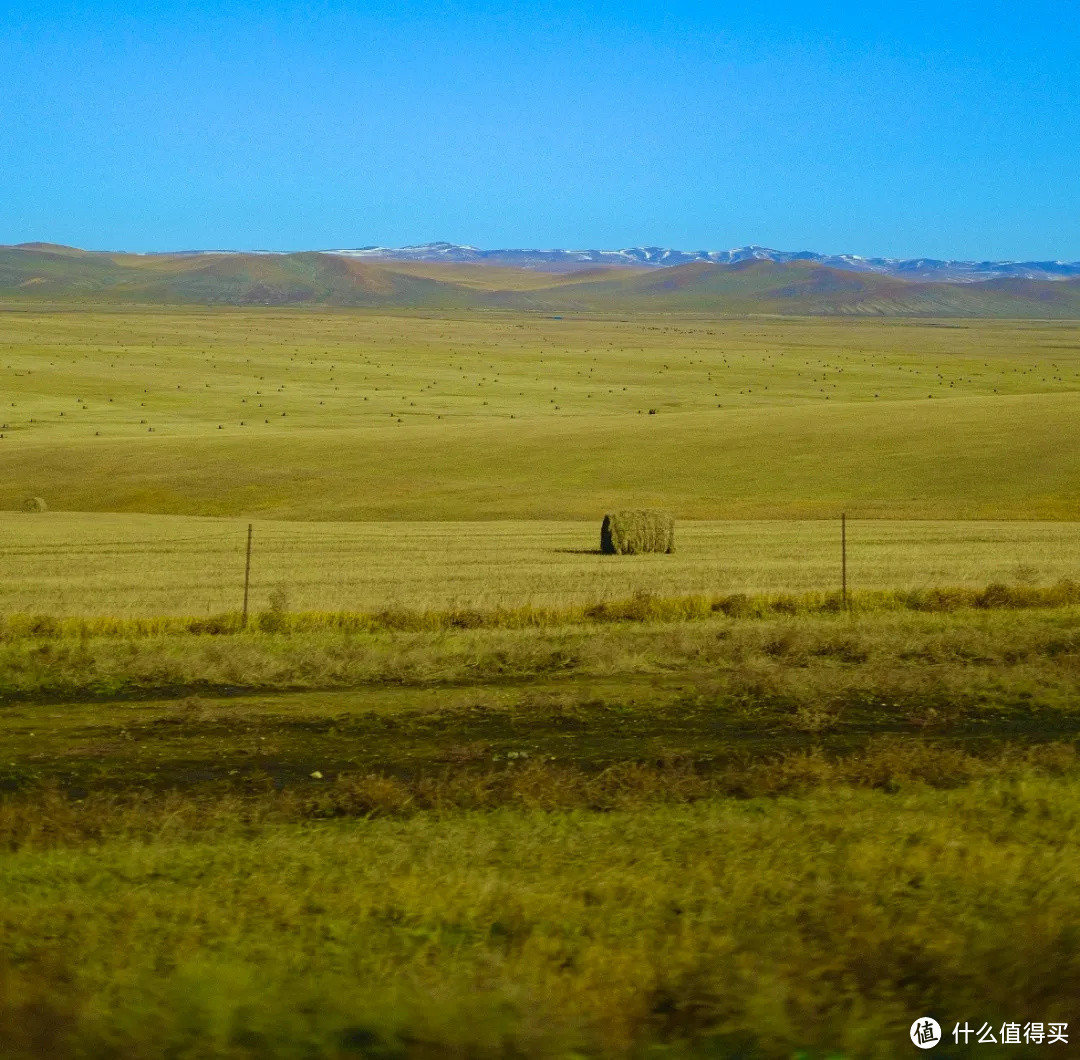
(136, 565)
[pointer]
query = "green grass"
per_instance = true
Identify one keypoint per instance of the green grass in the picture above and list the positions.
(783, 835)
(758, 929)
(780, 836)
(518, 416)
(555, 868)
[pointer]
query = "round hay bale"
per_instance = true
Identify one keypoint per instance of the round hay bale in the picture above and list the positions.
(636, 530)
(35, 504)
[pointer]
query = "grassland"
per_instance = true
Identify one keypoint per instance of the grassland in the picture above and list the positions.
(464, 787)
(350, 415)
(775, 837)
(60, 563)
(730, 929)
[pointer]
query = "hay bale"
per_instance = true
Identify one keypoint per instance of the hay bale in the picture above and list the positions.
(636, 530)
(35, 504)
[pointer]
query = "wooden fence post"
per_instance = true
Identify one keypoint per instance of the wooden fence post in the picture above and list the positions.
(247, 577)
(843, 558)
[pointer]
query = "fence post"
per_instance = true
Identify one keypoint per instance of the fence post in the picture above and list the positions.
(247, 577)
(843, 559)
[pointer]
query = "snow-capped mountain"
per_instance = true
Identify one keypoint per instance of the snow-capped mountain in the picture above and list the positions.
(927, 269)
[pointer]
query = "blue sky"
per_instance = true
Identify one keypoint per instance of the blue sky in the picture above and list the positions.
(949, 129)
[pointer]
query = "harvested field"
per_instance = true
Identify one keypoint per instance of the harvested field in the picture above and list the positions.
(129, 565)
(518, 416)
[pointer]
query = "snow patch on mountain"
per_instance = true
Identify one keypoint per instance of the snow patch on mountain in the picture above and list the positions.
(926, 269)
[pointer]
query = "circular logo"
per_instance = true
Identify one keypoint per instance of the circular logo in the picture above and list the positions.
(925, 1032)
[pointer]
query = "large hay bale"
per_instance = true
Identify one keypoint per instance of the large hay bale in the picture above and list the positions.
(35, 504)
(629, 532)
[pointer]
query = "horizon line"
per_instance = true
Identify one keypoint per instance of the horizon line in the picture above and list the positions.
(375, 249)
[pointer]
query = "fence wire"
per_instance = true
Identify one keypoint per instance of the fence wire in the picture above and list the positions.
(333, 567)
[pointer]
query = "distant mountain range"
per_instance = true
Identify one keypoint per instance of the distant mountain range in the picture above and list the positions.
(442, 276)
(929, 269)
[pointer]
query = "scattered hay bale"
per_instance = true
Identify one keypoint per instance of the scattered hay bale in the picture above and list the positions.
(629, 532)
(35, 504)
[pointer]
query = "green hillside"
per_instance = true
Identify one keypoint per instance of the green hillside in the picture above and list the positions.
(46, 272)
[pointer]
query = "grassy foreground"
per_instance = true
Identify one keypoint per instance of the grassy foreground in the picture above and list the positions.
(778, 836)
(818, 926)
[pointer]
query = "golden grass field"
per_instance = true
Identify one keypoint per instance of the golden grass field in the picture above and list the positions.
(345, 415)
(143, 565)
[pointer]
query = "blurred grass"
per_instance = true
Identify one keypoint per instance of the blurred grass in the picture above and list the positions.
(817, 926)
(779, 836)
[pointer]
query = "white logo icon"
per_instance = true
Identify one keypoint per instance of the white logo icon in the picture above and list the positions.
(925, 1032)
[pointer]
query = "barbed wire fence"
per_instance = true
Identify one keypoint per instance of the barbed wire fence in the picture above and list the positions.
(248, 556)
(249, 567)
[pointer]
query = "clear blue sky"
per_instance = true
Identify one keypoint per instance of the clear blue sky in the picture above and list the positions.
(949, 129)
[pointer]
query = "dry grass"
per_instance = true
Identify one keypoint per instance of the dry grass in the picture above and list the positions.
(632, 532)
(48, 818)
(939, 656)
(130, 565)
(642, 607)
(228, 412)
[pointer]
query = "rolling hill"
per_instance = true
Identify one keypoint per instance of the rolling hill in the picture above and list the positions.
(807, 288)
(40, 272)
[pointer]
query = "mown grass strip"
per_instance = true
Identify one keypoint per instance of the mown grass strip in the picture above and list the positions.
(642, 607)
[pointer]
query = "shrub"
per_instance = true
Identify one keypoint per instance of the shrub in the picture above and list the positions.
(274, 619)
(737, 605)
